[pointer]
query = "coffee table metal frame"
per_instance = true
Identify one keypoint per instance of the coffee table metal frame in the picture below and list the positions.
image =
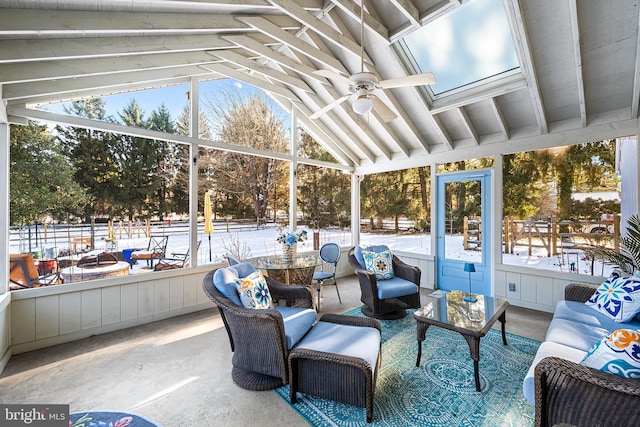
(471, 334)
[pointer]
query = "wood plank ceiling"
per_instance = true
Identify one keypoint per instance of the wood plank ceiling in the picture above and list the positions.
(579, 62)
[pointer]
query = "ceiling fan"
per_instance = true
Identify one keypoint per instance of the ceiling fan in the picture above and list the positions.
(362, 85)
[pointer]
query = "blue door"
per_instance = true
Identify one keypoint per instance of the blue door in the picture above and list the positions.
(463, 231)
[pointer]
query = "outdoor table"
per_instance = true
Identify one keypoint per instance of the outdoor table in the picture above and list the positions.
(472, 320)
(299, 271)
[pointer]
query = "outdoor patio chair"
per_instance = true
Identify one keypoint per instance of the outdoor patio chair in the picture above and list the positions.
(24, 274)
(330, 254)
(260, 339)
(177, 260)
(156, 249)
(389, 298)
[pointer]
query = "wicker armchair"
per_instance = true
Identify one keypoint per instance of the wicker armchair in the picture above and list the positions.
(391, 308)
(257, 337)
(569, 393)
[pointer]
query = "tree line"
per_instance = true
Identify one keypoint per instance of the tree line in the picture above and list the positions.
(74, 173)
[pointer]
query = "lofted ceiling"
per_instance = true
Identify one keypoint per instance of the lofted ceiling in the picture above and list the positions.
(579, 68)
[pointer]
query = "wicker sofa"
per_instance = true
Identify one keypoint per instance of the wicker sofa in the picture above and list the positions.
(566, 392)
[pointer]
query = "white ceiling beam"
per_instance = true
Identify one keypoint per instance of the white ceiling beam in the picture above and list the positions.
(162, 136)
(254, 66)
(353, 10)
(52, 98)
(101, 47)
(329, 34)
(486, 92)
(272, 30)
(27, 71)
(258, 48)
(440, 129)
(502, 123)
(575, 33)
(97, 85)
(21, 22)
(525, 57)
(251, 79)
(408, 9)
(432, 13)
(468, 124)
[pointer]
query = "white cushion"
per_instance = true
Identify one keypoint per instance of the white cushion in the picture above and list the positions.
(548, 349)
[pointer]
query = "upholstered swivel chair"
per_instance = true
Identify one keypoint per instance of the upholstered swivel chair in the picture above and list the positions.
(390, 298)
(260, 339)
(330, 254)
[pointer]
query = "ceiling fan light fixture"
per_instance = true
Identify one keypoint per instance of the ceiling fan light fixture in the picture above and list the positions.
(362, 104)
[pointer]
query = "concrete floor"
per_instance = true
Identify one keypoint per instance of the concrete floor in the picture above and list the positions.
(176, 371)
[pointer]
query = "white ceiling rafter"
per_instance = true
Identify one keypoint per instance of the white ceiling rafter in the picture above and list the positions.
(254, 66)
(502, 123)
(468, 124)
(519, 32)
(353, 10)
(74, 68)
(253, 80)
(269, 28)
(48, 23)
(44, 91)
(330, 35)
(575, 32)
(258, 48)
(14, 51)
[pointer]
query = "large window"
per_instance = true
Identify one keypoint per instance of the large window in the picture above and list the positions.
(470, 46)
(559, 204)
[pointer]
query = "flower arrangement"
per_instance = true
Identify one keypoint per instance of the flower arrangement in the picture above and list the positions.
(291, 237)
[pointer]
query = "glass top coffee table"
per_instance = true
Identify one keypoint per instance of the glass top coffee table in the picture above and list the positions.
(472, 320)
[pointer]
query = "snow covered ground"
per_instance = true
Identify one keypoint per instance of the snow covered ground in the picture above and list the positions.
(254, 242)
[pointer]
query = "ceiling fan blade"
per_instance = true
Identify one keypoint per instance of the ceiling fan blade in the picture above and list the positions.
(329, 107)
(333, 76)
(385, 113)
(407, 81)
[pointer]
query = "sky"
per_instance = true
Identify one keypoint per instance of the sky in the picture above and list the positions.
(470, 44)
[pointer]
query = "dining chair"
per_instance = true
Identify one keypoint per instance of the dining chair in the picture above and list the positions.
(156, 248)
(330, 254)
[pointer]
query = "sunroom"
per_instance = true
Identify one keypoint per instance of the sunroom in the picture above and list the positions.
(378, 84)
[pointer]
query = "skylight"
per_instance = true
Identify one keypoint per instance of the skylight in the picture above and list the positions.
(467, 47)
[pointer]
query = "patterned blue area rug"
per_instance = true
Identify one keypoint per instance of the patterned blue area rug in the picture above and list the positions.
(441, 392)
(109, 419)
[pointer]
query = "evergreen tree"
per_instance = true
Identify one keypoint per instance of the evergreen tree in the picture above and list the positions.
(138, 161)
(41, 181)
(90, 153)
(324, 194)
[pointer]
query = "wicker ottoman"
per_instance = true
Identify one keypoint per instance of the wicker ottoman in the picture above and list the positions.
(338, 360)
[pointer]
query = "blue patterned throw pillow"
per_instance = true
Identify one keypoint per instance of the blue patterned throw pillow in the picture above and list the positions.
(379, 263)
(617, 298)
(254, 292)
(618, 354)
